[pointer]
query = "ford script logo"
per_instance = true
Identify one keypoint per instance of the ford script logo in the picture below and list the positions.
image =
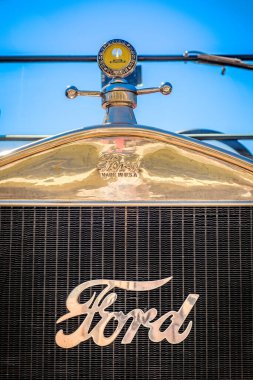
(100, 303)
(116, 165)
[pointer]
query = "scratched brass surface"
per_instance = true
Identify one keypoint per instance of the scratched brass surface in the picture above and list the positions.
(124, 165)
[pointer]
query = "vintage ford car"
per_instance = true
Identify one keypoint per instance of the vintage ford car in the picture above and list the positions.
(126, 251)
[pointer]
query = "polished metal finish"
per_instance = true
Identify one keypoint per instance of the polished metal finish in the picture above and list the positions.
(117, 59)
(119, 114)
(199, 136)
(99, 304)
(172, 169)
(165, 89)
(118, 93)
(72, 92)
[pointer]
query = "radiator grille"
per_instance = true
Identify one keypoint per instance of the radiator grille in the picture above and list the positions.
(48, 251)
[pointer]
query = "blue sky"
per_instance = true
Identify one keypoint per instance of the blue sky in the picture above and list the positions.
(32, 95)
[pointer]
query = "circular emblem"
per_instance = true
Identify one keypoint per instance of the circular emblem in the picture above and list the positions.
(117, 58)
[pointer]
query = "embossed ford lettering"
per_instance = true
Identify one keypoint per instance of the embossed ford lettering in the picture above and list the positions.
(99, 304)
(118, 165)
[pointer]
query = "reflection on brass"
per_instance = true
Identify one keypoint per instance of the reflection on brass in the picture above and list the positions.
(118, 165)
(172, 169)
(99, 304)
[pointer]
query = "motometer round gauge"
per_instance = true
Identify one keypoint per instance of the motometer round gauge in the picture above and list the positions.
(117, 58)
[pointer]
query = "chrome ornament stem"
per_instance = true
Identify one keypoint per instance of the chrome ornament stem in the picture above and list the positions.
(119, 114)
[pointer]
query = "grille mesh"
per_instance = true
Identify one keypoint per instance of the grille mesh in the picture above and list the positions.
(48, 251)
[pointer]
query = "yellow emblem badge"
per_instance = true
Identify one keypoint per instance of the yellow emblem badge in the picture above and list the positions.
(117, 58)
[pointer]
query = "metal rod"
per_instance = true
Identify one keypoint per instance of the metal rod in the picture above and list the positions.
(219, 136)
(198, 136)
(22, 137)
(93, 58)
